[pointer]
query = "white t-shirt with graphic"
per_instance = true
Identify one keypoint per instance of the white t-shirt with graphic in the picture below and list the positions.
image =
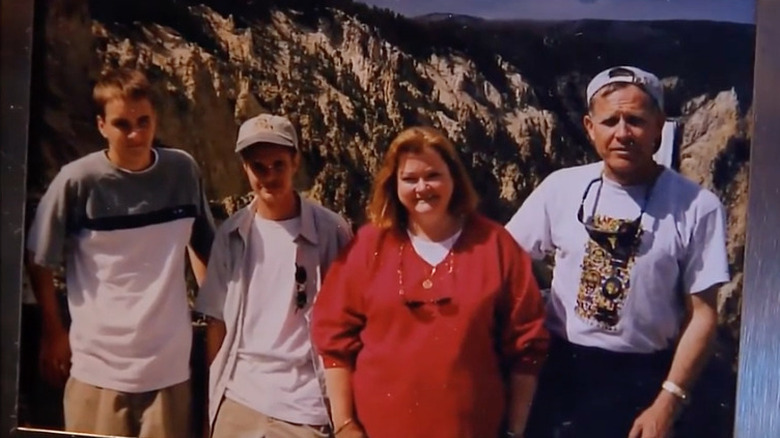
(274, 372)
(603, 295)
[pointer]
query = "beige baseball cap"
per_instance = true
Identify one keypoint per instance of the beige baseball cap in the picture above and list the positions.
(266, 128)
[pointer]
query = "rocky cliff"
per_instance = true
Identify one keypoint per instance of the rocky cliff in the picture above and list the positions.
(509, 93)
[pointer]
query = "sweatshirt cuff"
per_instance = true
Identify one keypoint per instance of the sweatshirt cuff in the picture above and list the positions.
(335, 361)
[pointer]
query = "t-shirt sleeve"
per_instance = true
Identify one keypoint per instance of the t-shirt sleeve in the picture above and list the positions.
(203, 229)
(530, 225)
(212, 294)
(524, 339)
(53, 221)
(338, 316)
(706, 263)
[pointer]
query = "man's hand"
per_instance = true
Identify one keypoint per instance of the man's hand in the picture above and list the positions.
(55, 356)
(657, 420)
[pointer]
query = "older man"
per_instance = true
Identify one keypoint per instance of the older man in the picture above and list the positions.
(639, 255)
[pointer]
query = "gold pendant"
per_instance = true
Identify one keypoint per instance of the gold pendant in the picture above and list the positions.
(427, 283)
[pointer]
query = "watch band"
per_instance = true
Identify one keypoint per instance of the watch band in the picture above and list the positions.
(675, 390)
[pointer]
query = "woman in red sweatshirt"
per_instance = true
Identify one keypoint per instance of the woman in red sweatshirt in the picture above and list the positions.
(430, 324)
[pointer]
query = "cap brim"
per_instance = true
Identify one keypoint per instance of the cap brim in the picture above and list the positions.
(265, 137)
(656, 95)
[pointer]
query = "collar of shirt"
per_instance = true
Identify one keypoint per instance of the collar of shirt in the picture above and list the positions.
(243, 222)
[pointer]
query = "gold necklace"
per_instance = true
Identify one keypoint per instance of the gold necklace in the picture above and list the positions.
(428, 282)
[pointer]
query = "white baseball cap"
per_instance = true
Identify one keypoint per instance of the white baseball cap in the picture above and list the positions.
(628, 75)
(266, 128)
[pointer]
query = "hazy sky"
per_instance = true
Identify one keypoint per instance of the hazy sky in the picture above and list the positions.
(741, 11)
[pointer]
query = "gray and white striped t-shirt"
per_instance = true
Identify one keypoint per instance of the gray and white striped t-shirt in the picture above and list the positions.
(124, 236)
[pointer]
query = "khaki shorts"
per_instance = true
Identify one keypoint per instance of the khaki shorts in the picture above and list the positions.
(164, 413)
(235, 420)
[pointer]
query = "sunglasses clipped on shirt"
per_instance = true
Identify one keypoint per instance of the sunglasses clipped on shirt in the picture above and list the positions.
(416, 304)
(300, 287)
(620, 243)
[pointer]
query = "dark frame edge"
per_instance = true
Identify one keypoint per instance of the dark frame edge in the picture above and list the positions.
(16, 68)
(758, 380)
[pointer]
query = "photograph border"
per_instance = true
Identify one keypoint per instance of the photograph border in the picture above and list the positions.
(16, 25)
(758, 382)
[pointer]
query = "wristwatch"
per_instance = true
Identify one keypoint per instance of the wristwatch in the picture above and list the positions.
(675, 390)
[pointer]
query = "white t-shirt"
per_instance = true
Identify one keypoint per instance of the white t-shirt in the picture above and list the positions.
(433, 252)
(635, 307)
(274, 372)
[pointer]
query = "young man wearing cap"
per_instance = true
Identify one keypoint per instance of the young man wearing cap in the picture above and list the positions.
(124, 218)
(639, 255)
(267, 263)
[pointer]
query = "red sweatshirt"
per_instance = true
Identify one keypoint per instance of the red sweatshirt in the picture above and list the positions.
(441, 370)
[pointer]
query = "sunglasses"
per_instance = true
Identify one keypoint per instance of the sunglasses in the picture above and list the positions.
(416, 304)
(620, 243)
(300, 287)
